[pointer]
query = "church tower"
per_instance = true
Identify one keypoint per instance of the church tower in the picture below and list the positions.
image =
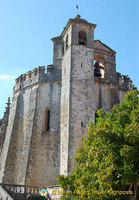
(77, 93)
(50, 111)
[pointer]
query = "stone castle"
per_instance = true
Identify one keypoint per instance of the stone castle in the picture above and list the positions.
(42, 129)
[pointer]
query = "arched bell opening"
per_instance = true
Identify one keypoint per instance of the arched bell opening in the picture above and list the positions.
(99, 68)
(82, 38)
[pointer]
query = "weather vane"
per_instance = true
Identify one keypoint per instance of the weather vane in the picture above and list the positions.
(78, 9)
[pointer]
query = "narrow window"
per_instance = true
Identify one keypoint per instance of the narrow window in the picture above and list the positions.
(82, 38)
(67, 42)
(46, 122)
(82, 124)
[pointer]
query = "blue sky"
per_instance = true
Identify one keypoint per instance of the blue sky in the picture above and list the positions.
(27, 26)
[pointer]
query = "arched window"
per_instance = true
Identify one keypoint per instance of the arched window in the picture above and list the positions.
(66, 42)
(46, 120)
(99, 68)
(82, 38)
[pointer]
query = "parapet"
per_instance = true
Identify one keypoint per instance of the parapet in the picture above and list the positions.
(53, 74)
(35, 76)
(29, 78)
(125, 82)
(31, 74)
(50, 68)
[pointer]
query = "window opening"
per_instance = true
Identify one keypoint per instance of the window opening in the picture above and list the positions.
(82, 37)
(98, 69)
(46, 122)
(82, 124)
(67, 42)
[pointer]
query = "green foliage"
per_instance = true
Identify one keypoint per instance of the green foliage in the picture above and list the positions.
(109, 158)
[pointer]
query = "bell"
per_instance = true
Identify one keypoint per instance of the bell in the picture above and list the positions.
(97, 72)
(81, 41)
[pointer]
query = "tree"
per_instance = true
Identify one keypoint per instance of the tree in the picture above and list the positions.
(107, 166)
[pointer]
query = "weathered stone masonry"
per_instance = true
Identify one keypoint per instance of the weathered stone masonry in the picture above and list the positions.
(50, 111)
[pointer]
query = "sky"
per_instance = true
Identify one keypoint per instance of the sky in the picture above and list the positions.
(27, 26)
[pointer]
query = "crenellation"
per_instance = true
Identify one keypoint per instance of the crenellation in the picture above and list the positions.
(125, 82)
(41, 70)
(35, 71)
(37, 75)
(29, 78)
(50, 68)
(31, 73)
(130, 84)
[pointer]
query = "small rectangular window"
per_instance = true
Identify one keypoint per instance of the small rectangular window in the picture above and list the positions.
(48, 120)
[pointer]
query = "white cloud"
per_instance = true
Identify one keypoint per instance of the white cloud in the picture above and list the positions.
(6, 77)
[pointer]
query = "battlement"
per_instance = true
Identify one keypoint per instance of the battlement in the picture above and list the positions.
(31, 74)
(125, 82)
(36, 75)
(29, 78)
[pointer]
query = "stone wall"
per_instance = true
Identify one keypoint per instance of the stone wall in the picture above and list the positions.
(4, 124)
(6, 158)
(65, 103)
(16, 163)
(81, 98)
(44, 158)
(29, 151)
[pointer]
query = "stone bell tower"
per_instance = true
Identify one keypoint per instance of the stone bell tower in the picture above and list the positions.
(77, 93)
(50, 111)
